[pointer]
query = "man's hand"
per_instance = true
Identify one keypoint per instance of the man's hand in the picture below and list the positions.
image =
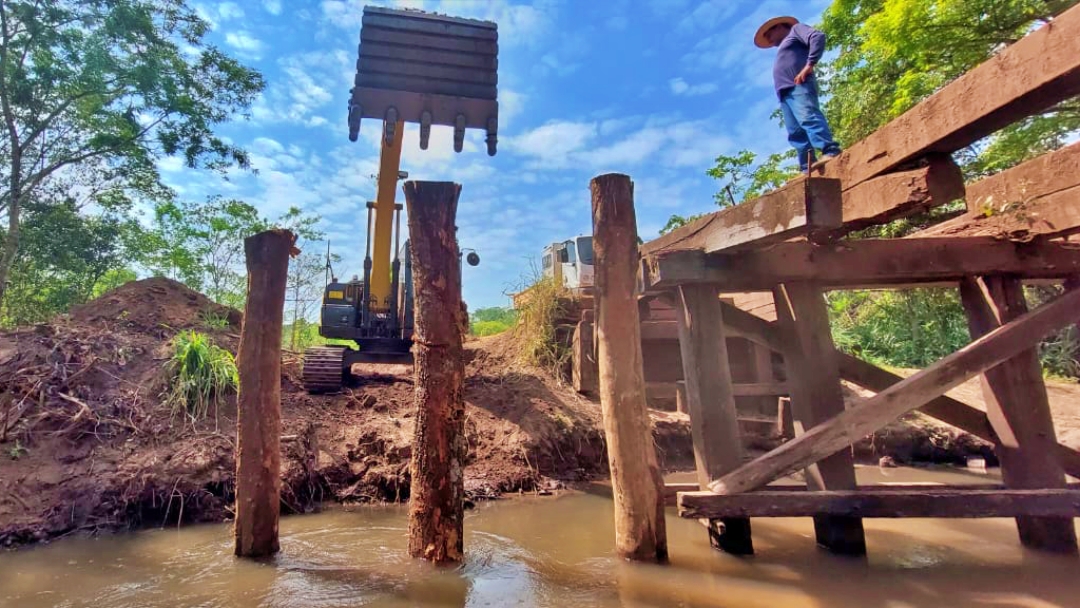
(804, 74)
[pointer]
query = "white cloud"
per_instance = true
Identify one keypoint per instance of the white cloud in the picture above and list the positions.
(219, 13)
(553, 142)
(301, 95)
(244, 41)
(617, 22)
(681, 87)
(229, 10)
(272, 6)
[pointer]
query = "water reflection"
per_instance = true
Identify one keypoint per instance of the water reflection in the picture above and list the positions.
(553, 551)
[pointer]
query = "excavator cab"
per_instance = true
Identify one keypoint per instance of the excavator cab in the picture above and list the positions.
(417, 67)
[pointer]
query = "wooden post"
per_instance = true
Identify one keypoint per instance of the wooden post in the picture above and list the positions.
(640, 529)
(258, 420)
(437, 467)
(710, 399)
(1019, 411)
(680, 397)
(584, 364)
(816, 396)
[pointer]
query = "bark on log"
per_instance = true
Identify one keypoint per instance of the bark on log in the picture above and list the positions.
(640, 529)
(258, 421)
(437, 491)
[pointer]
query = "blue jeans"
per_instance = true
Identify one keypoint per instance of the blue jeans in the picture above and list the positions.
(806, 125)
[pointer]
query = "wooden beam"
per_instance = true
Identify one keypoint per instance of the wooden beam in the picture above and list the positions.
(928, 502)
(741, 323)
(866, 263)
(802, 207)
(1019, 410)
(871, 414)
(816, 397)
(897, 195)
(640, 529)
(1050, 173)
(714, 426)
(762, 389)
(1030, 76)
(946, 409)
(672, 490)
(583, 368)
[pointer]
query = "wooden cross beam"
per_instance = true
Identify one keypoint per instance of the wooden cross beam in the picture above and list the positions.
(907, 502)
(1038, 198)
(909, 394)
(863, 263)
(803, 207)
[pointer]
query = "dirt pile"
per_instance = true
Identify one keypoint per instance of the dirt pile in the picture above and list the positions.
(86, 445)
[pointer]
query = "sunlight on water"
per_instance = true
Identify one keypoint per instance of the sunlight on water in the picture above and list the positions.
(537, 552)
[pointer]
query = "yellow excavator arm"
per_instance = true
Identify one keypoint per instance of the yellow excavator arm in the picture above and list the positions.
(383, 222)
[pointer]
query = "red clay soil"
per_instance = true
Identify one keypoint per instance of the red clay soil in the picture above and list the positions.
(86, 444)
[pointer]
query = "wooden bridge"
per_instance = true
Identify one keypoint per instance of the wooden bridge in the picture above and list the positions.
(791, 245)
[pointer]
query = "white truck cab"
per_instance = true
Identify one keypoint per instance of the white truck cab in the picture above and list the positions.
(570, 263)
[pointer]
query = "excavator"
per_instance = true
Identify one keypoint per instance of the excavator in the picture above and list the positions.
(419, 67)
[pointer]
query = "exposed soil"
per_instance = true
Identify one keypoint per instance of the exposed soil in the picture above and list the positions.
(86, 444)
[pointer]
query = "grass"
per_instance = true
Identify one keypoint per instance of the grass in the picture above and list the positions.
(537, 330)
(199, 374)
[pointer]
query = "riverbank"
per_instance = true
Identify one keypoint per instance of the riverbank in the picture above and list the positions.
(86, 444)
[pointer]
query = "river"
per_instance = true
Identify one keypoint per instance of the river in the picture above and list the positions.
(546, 551)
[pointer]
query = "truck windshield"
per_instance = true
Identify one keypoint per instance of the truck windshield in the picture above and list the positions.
(584, 247)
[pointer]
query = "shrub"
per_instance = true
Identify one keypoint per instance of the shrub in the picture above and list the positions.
(198, 374)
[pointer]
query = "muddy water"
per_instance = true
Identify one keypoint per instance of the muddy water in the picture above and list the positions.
(551, 551)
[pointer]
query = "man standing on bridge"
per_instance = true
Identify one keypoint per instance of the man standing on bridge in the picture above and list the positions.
(800, 49)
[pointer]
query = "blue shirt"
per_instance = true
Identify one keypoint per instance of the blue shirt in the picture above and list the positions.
(802, 45)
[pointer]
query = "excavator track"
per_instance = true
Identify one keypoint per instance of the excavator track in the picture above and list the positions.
(324, 369)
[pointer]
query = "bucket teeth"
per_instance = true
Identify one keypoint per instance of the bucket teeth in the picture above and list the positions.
(425, 129)
(459, 132)
(389, 124)
(492, 135)
(355, 112)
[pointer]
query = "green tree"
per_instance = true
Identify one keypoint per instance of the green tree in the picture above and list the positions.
(104, 88)
(68, 257)
(892, 54)
(202, 244)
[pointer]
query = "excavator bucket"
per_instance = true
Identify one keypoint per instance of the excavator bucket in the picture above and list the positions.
(426, 68)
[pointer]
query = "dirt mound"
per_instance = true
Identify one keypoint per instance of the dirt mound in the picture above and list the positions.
(156, 306)
(86, 444)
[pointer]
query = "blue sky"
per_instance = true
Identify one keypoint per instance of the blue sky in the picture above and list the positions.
(655, 89)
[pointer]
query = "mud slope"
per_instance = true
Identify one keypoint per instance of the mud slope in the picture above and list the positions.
(86, 445)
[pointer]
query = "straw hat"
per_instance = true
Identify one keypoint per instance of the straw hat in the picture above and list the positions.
(759, 38)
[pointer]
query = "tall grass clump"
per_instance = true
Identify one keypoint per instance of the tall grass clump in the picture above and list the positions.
(198, 375)
(539, 324)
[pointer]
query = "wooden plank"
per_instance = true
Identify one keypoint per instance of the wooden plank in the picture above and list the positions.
(802, 207)
(816, 397)
(865, 263)
(902, 194)
(762, 389)
(928, 502)
(1019, 410)
(710, 402)
(871, 414)
(746, 325)
(1030, 76)
(583, 368)
(640, 529)
(659, 330)
(946, 409)
(1047, 174)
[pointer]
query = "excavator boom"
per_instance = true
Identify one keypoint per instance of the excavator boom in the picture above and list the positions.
(417, 67)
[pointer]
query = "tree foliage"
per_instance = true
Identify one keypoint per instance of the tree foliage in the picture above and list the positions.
(104, 88)
(892, 54)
